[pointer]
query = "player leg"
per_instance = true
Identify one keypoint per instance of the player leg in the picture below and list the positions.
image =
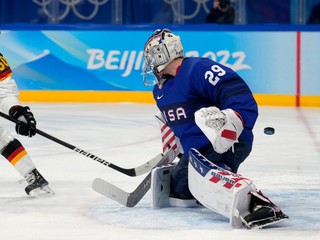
(179, 180)
(16, 154)
(230, 194)
(169, 186)
(262, 213)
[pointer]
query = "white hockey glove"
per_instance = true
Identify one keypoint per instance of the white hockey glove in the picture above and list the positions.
(168, 138)
(222, 128)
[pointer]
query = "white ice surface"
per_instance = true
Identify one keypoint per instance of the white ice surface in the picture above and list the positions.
(285, 166)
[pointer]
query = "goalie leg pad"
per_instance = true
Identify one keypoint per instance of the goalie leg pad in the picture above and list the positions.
(230, 195)
(220, 190)
(160, 186)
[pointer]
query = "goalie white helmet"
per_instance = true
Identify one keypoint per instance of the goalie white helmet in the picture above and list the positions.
(160, 49)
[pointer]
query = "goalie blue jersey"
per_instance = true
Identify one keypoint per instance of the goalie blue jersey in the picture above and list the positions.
(201, 82)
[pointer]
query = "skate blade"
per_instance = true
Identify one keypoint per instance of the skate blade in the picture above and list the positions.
(267, 224)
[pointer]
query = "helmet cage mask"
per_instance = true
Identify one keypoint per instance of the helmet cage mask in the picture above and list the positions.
(161, 48)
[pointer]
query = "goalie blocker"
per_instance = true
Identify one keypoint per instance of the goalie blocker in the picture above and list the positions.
(230, 194)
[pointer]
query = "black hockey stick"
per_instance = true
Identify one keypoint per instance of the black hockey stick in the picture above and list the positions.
(132, 172)
(130, 199)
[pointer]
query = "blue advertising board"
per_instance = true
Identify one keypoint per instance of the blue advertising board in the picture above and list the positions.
(112, 60)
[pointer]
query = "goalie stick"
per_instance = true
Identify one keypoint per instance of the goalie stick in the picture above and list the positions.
(132, 172)
(130, 199)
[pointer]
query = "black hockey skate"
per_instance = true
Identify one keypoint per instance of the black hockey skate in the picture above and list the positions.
(37, 185)
(263, 213)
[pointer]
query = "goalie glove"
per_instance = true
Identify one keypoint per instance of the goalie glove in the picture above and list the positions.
(27, 124)
(222, 128)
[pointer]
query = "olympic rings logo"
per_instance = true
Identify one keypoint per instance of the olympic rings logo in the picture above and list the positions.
(69, 6)
(51, 8)
(176, 4)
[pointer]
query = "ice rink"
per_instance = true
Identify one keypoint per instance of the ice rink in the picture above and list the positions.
(285, 166)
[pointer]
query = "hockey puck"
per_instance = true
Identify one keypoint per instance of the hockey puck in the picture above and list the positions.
(269, 130)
